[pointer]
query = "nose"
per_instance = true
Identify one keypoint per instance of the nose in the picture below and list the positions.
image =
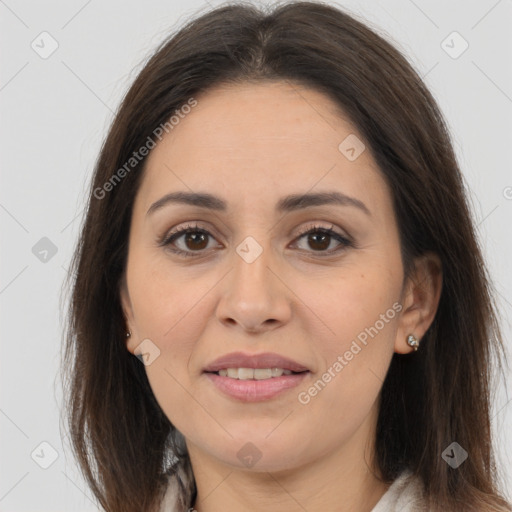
(254, 296)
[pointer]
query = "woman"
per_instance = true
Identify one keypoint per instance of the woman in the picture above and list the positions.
(279, 298)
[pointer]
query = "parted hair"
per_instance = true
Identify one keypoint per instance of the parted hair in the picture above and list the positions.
(123, 441)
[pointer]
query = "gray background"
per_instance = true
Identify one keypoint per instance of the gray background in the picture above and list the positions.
(55, 112)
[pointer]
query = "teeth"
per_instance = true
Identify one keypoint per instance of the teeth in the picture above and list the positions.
(262, 373)
(253, 373)
(244, 373)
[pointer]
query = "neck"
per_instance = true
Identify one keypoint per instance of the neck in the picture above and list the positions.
(340, 480)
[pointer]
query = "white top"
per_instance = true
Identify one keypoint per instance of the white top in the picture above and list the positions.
(404, 495)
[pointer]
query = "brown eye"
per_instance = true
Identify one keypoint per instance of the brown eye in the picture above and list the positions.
(193, 239)
(319, 239)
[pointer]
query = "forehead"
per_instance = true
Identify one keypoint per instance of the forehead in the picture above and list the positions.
(262, 141)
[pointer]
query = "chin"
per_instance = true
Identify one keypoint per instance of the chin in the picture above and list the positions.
(257, 453)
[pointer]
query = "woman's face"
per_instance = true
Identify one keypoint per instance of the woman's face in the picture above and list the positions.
(249, 281)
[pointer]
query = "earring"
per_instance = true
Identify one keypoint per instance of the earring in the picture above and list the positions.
(413, 342)
(128, 334)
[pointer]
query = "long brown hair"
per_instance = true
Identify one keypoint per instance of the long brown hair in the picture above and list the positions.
(122, 439)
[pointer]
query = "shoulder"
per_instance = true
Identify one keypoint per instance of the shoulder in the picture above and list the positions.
(404, 495)
(179, 491)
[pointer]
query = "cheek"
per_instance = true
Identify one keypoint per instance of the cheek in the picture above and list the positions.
(360, 312)
(167, 312)
(171, 316)
(164, 299)
(352, 303)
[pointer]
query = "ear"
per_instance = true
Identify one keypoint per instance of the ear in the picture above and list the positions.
(420, 300)
(131, 341)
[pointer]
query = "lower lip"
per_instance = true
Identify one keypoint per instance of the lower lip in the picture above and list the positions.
(256, 390)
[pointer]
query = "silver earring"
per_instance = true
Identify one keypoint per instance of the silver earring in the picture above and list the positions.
(128, 334)
(413, 342)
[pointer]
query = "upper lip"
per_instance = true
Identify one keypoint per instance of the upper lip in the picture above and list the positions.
(263, 360)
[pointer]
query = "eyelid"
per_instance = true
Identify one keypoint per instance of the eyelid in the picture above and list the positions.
(343, 239)
(316, 226)
(189, 226)
(196, 225)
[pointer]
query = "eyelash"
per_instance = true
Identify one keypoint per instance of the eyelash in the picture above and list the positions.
(173, 236)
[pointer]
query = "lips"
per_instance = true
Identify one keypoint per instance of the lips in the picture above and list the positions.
(256, 361)
(256, 390)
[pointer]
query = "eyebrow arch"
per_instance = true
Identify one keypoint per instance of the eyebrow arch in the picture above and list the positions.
(289, 203)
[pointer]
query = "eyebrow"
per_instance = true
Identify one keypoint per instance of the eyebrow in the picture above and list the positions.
(289, 203)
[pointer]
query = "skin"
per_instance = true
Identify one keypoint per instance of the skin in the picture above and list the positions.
(252, 144)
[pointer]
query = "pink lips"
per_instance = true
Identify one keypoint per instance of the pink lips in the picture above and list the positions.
(264, 360)
(255, 390)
